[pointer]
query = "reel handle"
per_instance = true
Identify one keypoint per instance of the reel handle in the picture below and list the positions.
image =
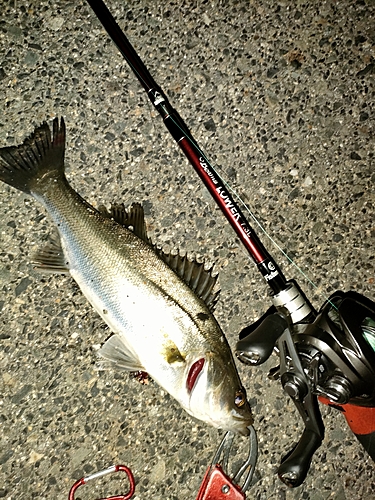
(295, 465)
(254, 349)
(257, 341)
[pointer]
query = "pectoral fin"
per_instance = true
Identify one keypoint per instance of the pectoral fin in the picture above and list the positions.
(114, 354)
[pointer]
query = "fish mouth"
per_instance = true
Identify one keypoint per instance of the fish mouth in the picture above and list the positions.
(231, 422)
(241, 425)
(213, 395)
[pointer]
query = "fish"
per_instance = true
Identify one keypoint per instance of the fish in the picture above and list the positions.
(158, 305)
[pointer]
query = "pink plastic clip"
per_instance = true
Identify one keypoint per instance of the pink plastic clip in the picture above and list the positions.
(113, 468)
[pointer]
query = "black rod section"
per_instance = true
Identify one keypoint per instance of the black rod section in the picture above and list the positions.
(123, 44)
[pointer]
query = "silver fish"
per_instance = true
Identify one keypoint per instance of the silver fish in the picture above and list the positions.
(158, 305)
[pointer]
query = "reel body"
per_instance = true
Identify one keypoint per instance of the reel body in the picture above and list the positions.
(332, 357)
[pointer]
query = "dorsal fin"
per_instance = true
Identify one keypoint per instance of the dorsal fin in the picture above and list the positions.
(133, 218)
(201, 281)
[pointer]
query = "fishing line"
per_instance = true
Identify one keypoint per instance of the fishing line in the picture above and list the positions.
(262, 228)
(186, 134)
(255, 219)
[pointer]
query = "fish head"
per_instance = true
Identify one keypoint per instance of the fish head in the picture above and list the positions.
(215, 394)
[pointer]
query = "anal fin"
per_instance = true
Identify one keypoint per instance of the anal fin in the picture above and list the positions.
(51, 257)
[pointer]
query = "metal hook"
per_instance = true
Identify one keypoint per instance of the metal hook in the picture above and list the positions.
(217, 484)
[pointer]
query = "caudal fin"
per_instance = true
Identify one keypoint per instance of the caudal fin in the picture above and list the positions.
(24, 167)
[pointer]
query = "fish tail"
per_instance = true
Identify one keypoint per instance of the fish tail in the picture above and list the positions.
(37, 159)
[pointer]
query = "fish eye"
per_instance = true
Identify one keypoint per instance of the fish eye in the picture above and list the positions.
(239, 399)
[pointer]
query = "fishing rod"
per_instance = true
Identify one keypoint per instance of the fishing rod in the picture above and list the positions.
(284, 292)
(328, 354)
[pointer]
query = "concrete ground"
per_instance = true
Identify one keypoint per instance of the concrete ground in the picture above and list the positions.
(280, 95)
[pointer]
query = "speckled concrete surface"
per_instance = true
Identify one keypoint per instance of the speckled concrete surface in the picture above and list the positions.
(280, 95)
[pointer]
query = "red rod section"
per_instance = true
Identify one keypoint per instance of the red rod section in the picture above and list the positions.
(224, 201)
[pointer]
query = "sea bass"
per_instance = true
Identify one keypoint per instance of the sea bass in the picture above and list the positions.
(158, 305)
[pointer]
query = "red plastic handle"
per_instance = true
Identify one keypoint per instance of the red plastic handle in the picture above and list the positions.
(216, 485)
(361, 420)
(110, 470)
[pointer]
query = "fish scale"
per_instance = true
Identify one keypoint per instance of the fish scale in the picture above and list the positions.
(160, 326)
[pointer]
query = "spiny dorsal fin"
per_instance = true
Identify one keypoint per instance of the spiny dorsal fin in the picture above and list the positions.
(134, 218)
(202, 281)
(51, 257)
